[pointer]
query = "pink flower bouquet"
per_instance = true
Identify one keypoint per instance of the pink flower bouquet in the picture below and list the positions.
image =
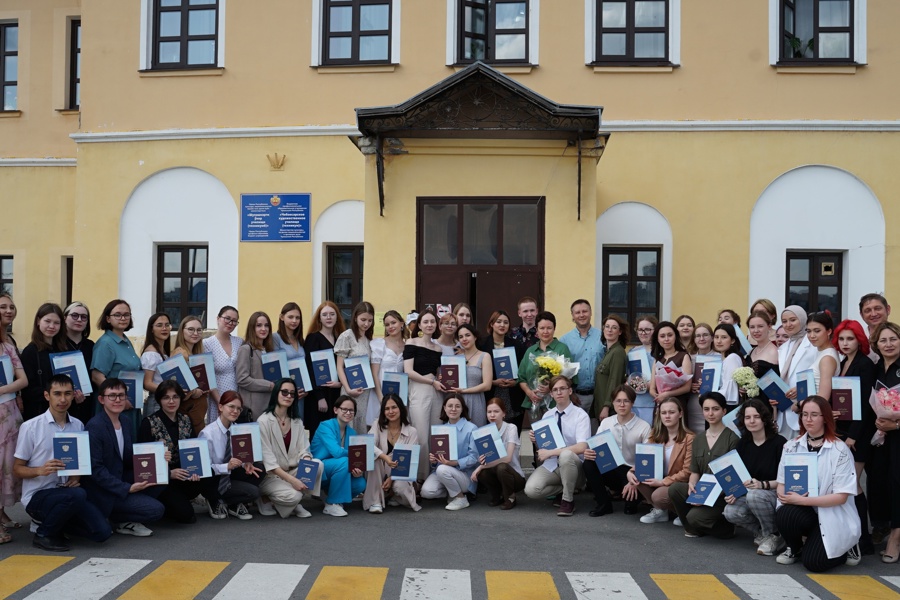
(886, 404)
(670, 377)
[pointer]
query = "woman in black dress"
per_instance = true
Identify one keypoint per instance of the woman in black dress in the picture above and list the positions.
(326, 325)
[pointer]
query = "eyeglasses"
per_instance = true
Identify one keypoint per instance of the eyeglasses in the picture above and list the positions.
(117, 397)
(288, 393)
(78, 317)
(194, 330)
(645, 330)
(621, 401)
(347, 411)
(229, 320)
(559, 390)
(121, 315)
(170, 398)
(232, 408)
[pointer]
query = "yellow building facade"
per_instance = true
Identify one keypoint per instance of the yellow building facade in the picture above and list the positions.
(742, 152)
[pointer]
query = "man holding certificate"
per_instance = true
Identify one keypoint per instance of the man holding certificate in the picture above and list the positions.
(56, 502)
(560, 471)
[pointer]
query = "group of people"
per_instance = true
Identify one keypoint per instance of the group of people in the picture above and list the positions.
(315, 426)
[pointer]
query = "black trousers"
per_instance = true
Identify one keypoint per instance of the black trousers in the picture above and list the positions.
(598, 482)
(244, 488)
(795, 522)
(177, 499)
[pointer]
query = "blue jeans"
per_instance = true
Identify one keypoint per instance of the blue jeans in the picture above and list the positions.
(67, 509)
(139, 507)
(342, 487)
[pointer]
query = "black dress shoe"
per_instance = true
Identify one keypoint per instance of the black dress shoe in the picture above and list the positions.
(601, 509)
(630, 509)
(52, 544)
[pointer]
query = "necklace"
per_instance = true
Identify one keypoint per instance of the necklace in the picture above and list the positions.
(814, 439)
(392, 435)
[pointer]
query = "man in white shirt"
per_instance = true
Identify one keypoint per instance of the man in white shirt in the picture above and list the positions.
(560, 471)
(56, 503)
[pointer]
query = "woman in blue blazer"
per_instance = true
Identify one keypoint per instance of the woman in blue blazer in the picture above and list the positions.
(330, 445)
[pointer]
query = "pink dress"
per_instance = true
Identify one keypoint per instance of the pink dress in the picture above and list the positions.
(10, 419)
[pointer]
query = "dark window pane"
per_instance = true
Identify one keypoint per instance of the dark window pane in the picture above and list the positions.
(197, 260)
(439, 239)
(172, 289)
(617, 265)
(646, 294)
(646, 264)
(480, 234)
(520, 234)
(198, 290)
(475, 21)
(828, 299)
(172, 262)
(788, 18)
(618, 293)
(6, 268)
(799, 295)
(798, 269)
(342, 291)
(174, 314)
(474, 49)
(342, 263)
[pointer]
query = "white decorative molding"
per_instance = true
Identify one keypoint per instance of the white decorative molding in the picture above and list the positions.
(751, 125)
(38, 162)
(213, 133)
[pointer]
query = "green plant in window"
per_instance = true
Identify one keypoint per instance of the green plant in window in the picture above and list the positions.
(798, 48)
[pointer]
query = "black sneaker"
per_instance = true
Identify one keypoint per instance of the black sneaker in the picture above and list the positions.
(853, 556)
(51, 544)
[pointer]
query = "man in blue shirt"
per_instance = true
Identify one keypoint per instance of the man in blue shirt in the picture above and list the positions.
(586, 345)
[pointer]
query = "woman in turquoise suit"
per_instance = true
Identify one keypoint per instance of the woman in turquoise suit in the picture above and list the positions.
(330, 445)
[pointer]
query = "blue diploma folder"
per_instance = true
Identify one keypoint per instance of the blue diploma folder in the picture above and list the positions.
(356, 378)
(710, 377)
(322, 371)
(307, 471)
(502, 368)
(605, 460)
(731, 482)
(390, 387)
(645, 467)
(72, 372)
(485, 446)
(175, 374)
(191, 461)
(403, 458)
(706, 492)
(65, 449)
(796, 479)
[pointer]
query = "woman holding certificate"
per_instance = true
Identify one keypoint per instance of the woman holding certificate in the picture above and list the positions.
(189, 342)
(671, 359)
(114, 352)
(352, 343)
(452, 478)
(284, 445)
(446, 334)
(819, 327)
(703, 344)
(668, 430)
(726, 343)
(610, 372)
(528, 370)
(387, 352)
(760, 450)
(685, 325)
(644, 405)
(78, 330)
(331, 445)
(326, 326)
(794, 356)
(223, 346)
(507, 390)
(503, 478)
(157, 346)
(764, 355)
(853, 345)
(421, 361)
(253, 387)
(47, 336)
(289, 336)
(391, 428)
(827, 519)
(479, 374)
(168, 425)
(884, 466)
(717, 441)
(10, 418)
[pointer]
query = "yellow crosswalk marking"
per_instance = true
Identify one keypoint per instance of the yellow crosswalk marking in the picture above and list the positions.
(18, 571)
(348, 583)
(176, 580)
(520, 585)
(692, 587)
(855, 587)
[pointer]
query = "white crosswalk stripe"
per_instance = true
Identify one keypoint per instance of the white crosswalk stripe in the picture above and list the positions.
(436, 584)
(772, 587)
(92, 579)
(278, 581)
(599, 586)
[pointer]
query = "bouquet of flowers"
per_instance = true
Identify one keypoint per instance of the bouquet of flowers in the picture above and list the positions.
(886, 404)
(548, 365)
(747, 381)
(637, 383)
(670, 377)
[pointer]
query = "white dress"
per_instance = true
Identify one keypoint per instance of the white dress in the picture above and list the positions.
(816, 368)
(346, 346)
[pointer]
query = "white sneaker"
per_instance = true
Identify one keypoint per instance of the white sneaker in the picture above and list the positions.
(219, 512)
(657, 515)
(677, 522)
(393, 502)
(853, 556)
(335, 510)
(265, 508)
(302, 512)
(135, 529)
(458, 503)
(787, 557)
(200, 505)
(240, 512)
(376, 509)
(770, 545)
(759, 539)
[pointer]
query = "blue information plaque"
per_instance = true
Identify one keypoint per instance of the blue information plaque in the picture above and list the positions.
(275, 217)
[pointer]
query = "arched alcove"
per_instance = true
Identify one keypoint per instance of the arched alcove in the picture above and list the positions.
(341, 223)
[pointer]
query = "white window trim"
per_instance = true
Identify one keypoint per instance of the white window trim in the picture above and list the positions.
(145, 57)
(534, 22)
(860, 44)
(316, 56)
(590, 31)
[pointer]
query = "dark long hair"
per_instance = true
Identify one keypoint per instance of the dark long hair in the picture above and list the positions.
(58, 342)
(404, 415)
(282, 326)
(293, 411)
(657, 351)
(150, 339)
(765, 413)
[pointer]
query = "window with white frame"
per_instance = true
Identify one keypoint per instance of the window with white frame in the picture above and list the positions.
(9, 65)
(493, 31)
(818, 31)
(355, 32)
(182, 34)
(632, 32)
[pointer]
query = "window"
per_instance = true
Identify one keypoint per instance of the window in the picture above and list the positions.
(6, 274)
(345, 278)
(75, 64)
(356, 31)
(181, 281)
(814, 282)
(9, 65)
(185, 34)
(631, 282)
(817, 31)
(632, 31)
(495, 31)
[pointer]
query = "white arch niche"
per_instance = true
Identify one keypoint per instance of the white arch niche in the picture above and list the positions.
(341, 223)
